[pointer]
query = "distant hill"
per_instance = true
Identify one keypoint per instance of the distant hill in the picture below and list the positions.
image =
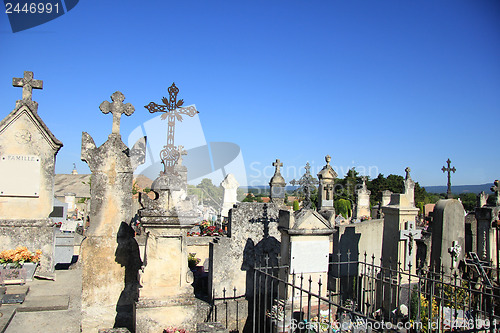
(461, 189)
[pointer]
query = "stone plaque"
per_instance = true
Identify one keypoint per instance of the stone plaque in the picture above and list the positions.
(20, 175)
(309, 256)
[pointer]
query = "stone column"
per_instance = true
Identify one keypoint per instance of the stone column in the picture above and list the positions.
(230, 191)
(277, 185)
(409, 187)
(363, 201)
(326, 179)
(109, 252)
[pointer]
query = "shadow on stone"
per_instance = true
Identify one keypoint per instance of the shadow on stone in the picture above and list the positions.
(127, 255)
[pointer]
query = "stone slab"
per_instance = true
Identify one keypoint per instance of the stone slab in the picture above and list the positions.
(44, 303)
(6, 315)
(17, 290)
(114, 330)
(12, 298)
(210, 328)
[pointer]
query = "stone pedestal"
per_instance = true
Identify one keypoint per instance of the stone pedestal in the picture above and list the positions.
(109, 253)
(363, 201)
(326, 179)
(277, 185)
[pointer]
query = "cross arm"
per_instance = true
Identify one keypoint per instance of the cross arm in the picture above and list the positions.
(153, 107)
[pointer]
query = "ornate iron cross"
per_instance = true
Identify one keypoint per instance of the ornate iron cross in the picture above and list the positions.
(306, 182)
(449, 170)
(173, 109)
(28, 84)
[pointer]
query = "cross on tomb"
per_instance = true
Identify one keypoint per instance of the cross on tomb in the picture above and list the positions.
(496, 188)
(117, 108)
(28, 84)
(277, 164)
(172, 110)
(479, 266)
(408, 236)
(182, 152)
(449, 170)
(454, 252)
(408, 170)
(306, 182)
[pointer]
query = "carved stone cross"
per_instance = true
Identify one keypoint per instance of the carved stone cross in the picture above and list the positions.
(28, 84)
(277, 164)
(496, 188)
(408, 170)
(449, 170)
(409, 235)
(117, 108)
(181, 152)
(454, 252)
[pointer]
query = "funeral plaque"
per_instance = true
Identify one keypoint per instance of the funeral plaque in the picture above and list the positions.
(309, 256)
(20, 175)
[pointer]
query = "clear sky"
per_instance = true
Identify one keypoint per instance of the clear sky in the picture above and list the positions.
(377, 84)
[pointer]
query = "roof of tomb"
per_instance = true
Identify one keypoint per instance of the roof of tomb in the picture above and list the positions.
(77, 184)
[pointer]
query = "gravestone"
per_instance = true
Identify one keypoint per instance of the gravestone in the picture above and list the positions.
(386, 197)
(27, 160)
(409, 187)
(109, 252)
(482, 199)
(485, 216)
(277, 185)
(229, 196)
(363, 201)
(448, 235)
(326, 179)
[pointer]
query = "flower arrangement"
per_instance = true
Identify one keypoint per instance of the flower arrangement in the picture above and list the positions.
(19, 256)
(192, 260)
(206, 229)
(175, 330)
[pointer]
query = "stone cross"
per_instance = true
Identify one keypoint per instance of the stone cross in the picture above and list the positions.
(173, 110)
(181, 152)
(454, 252)
(277, 164)
(409, 235)
(28, 84)
(449, 170)
(496, 188)
(117, 108)
(306, 182)
(407, 170)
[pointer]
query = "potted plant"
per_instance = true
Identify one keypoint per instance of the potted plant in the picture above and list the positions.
(193, 261)
(18, 264)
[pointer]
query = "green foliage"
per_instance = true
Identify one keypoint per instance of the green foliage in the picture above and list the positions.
(296, 205)
(248, 198)
(147, 190)
(209, 194)
(469, 201)
(343, 207)
(286, 199)
(135, 188)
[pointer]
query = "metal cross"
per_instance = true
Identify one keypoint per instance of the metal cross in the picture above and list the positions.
(479, 266)
(173, 110)
(409, 235)
(117, 108)
(306, 182)
(496, 188)
(28, 84)
(454, 252)
(449, 170)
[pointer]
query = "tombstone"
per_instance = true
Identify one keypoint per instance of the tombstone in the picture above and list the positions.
(305, 248)
(109, 252)
(482, 199)
(386, 198)
(409, 187)
(470, 232)
(70, 199)
(362, 201)
(230, 191)
(448, 235)
(60, 212)
(326, 179)
(277, 185)
(27, 160)
(485, 216)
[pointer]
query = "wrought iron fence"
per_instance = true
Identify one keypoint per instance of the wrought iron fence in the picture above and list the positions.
(361, 295)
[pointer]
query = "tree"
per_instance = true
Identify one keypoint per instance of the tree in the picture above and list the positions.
(343, 207)
(296, 205)
(211, 194)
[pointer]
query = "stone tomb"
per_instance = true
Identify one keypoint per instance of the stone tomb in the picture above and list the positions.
(363, 201)
(28, 152)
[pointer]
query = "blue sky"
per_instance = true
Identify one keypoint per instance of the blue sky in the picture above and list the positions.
(380, 85)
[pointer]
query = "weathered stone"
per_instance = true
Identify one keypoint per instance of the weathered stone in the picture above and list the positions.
(27, 160)
(277, 184)
(230, 188)
(363, 201)
(110, 253)
(326, 179)
(409, 187)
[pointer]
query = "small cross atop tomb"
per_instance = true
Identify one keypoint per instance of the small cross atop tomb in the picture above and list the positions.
(454, 252)
(117, 108)
(277, 164)
(306, 182)
(449, 170)
(28, 84)
(408, 236)
(496, 188)
(408, 170)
